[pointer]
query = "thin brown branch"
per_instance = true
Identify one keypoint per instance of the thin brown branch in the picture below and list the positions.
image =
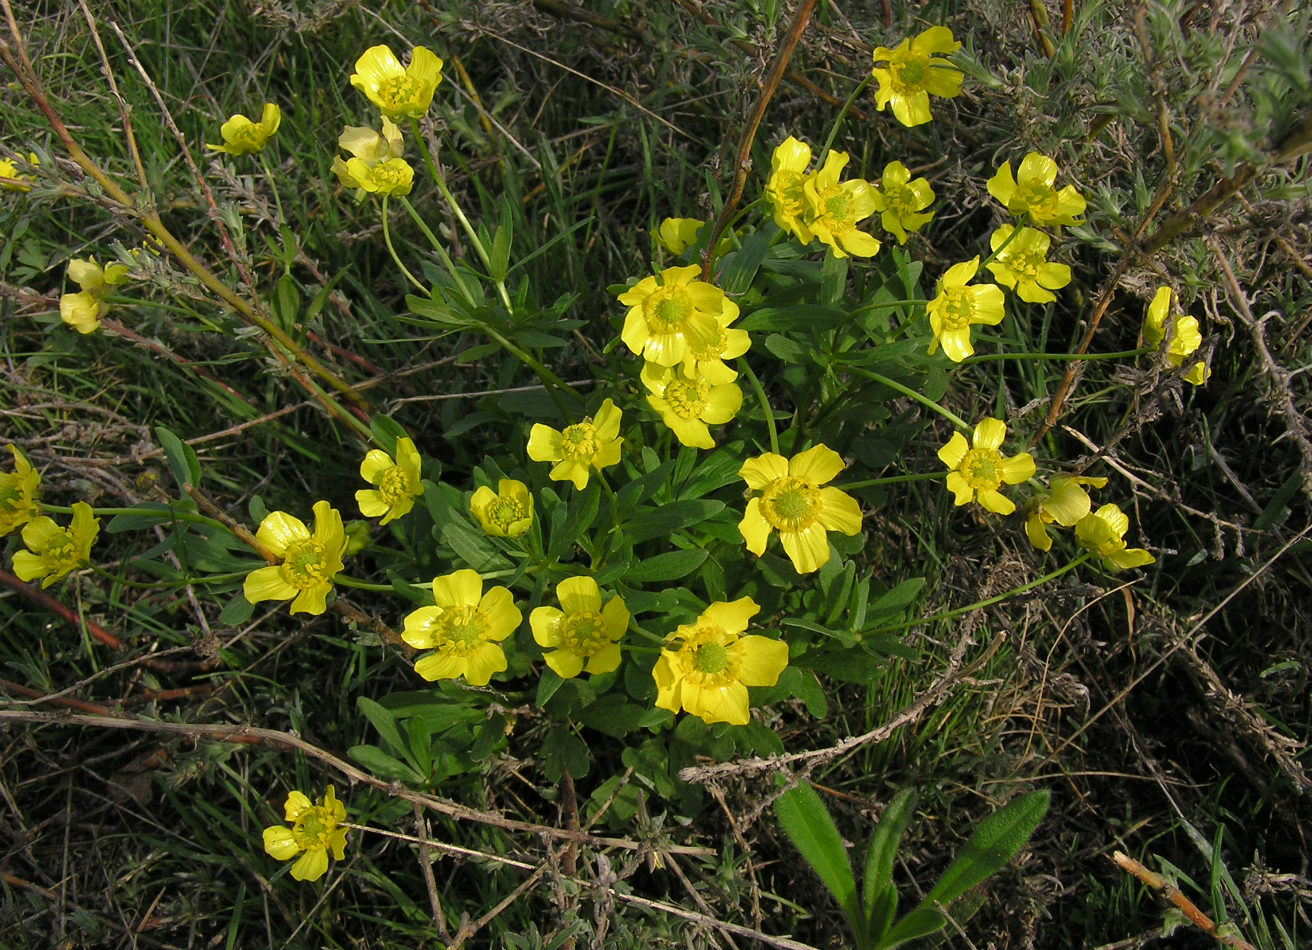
(1182, 903)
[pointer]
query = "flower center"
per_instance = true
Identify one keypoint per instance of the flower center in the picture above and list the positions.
(390, 174)
(584, 633)
(399, 91)
(312, 829)
(579, 442)
(394, 486)
(959, 309)
(1039, 198)
(460, 630)
(789, 191)
(667, 309)
(838, 208)
(790, 504)
(504, 512)
(982, 469)
(687, 397)
(710, 659)
(710, 351)
(912, 73)
(1027, 264)
(305, 564)
(60, 553)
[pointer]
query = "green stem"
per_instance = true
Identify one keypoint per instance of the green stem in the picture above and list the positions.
(893, 480)
(1056, 357)
(137, 512)
(440, 248)
(993, 255)
(765, 404)
(912, 394)
(342, 580)
(986, 602)
(396, 258)
(273, 186)
(838, 119)
(648, 634)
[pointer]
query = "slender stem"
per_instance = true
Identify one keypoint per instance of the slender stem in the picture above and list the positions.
(387, 239)
(842, 112)
(344, 580)
(912, 394)
(1057, 357)
(993, 255)
(894, 480)
(646, 633)
(174, 514)
(440, 248)
(986, 602)
(765, 404)
(273, 186)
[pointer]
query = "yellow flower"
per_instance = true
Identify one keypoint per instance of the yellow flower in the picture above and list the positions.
(834, 207)
(9, 169)
(1185, 337)
(1103, 532)
(83, 311)
(1065, 503)
(689, 404)
(979, 469)
(901, 201)
(241, 136)
(310, 561)
(959, 306)
(53, 551)
(677, 234)
(506, 512)
(314, 832)
(673, 311)
(592, 443)
(19, 492)
(463, 629)
(393, 177)
(583, 635)
(710, 664)
(913, 75)
(398, 91)
(708, 361)
(1022, 264)
(793, 503)
(370, 152)
(397, 482)
(785, 191)
(1031, 192)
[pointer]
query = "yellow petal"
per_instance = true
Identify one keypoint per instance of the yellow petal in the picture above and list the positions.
(310, 866)
(578, 594)
(808, 549)
(754, 528)
(279, 843)
(267, 583)
(463, 588)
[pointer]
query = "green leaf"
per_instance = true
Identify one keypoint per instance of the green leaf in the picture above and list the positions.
(563, 750)
(579, 513)
(921, 922)
(182, 459)
(383, 766)
(663, 521)
(670, 566)
(895, 600)
(809, 826)
(383, 720)
(473, 546)
(878, 891)
(740, 267)
(994, 843)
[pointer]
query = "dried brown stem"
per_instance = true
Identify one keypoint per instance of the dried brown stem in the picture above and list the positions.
(1184, 904)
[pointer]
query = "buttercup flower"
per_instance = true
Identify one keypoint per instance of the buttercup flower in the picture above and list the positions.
(578, 449)
(314, 832)
(785, 191)
(506, 512)
(1103, 532)
(793, 503)
(902, 202)
(709, 664)
(672, 311)
(463, 630)
(84, 310)
(582, 635)
(913, 75)
(979, 469)
(959, 306)
(708, 361)
(690, 404)
(1065, 503)
(1031, 192)
(310, 561)
(398, 91)
(393, 177)
(19, 491)
(1022, 264)
(372, 149)
(1185, 338)
(834, 207)
(241, 136)
(9, 169)
(53, 551)
(397, 482)
(677, 234)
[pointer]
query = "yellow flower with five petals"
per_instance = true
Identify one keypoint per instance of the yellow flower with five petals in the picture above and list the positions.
(978, 469)
(958, 306)
(1065, 503)
(84, 310)
(310, 560)
(690, 404)
(591, 444)
(902, 201)
(1103, 532)
(1021, 263)
(793, 503)
(709, 664)
(914, 73)
(673, 311)
(396, 482)
(52, 552)
(583, 634)
(314, 832)
(398, 91)
(19, 493)
(834, 207)
(1185, 337)
(242, 136)
(785, 188)
(506, 512)
(464, 629)
(1032, 192)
